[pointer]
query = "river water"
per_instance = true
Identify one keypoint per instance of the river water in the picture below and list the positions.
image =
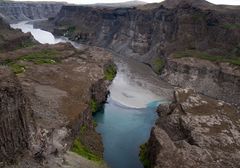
(126, 120)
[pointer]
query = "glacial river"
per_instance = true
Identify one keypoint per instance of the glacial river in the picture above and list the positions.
(129, 114)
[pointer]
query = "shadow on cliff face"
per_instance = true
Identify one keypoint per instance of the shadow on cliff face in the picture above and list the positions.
(152, 31)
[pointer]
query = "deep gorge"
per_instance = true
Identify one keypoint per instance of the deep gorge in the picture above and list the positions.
(179, 57)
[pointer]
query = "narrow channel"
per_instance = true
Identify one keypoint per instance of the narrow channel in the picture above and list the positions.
(126, 120)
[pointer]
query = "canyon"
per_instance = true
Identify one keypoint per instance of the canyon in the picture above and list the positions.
(46, 102)
(156, 34)
(13, 12)
(192, 45)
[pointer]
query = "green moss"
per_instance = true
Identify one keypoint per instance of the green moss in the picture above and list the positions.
(231, 26)
(202, 55)
(71, 29)
(158, 64)
(83, 129)
(94, 106)
(94, 123)
(143, 155)
(82, 150)
(41, 57)
(17, 68)
(110, 72)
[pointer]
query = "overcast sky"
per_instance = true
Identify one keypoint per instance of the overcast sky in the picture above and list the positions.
(230, 2)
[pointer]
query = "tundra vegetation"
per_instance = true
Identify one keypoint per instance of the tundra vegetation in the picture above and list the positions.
(203, 55)
(40, 57)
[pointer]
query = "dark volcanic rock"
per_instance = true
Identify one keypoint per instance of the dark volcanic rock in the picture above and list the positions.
(11, 39)
(14, 132)
(153, 31)
(195, 131)
(19, 11)
(218, 80)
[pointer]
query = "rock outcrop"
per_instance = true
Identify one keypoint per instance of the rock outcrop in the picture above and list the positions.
(11, 39)
(218, 80)
(195, 131)
(18, 11)
(59, 82)
(14, 108)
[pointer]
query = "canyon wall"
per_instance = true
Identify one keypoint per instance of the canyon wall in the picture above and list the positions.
(11, 39)
(14, 107)
(217, 80)
(195, 131)
(152, 33)
(60, 95)
(13, 12)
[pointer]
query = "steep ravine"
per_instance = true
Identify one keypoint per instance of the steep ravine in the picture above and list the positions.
(153, 32)
(49, 102)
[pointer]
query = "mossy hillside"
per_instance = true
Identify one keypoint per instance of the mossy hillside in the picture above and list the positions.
(203, 55)
(85, 152)
(110, 72)
(69, 30)
(39, 57)
(79, 148)
(143, 155)
(94, 106)
(158, 65)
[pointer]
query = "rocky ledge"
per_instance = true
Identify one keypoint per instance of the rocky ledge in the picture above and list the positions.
(220, 80)
(195, 131)
(59, 84)
(11, 39)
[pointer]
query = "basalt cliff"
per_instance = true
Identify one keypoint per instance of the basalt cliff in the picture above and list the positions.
(160, 35)
(47, 95)
(20, 11)
(194, 131)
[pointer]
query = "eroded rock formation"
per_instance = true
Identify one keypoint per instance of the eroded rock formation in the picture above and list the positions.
(11, 39)
(152, 33)
(195, 131)
(19, 11)
(14, 107)
(218, 80)
(59, 82)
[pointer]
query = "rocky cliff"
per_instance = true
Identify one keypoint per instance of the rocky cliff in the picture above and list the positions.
(152, 33)
(195, 131)
(46, 95)
(14, 107)
(60, 83)
(18, 11)
(218, 80)
(11, 39)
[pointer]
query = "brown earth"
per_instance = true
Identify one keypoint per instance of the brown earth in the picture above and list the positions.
(59, 96)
